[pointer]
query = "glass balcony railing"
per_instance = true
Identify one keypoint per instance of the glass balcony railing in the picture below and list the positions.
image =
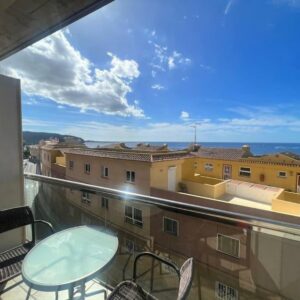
(237, 256)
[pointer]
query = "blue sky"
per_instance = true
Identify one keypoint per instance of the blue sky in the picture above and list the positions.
(140, 70)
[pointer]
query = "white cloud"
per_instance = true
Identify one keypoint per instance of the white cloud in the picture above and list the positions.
(177, 59)
(261, 128)
(153, 73)
(124, 68)
(171, 62)
(31, 101)
(167, 60)
(185, 116)
(228, 7)
(262, 116)
(206, 67)
(160, 53)
(54, 69)
(157, 87)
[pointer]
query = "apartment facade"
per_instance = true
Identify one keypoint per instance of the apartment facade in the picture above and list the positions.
(49, 156)
(278, 170)
(130, 171)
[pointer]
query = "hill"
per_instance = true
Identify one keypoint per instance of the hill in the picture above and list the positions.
(32, 138)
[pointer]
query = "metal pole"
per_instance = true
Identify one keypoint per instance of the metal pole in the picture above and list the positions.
(195, 133)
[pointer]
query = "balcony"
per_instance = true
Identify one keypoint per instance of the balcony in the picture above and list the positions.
(237, 256)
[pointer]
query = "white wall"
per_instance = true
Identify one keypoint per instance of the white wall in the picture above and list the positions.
(11, 159)
(251, 191)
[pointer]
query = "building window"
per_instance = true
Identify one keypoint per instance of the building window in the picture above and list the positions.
(282, 174)
(130, 176)
(87, 168)
(48, 157)
(208, 167)
(228, 245)
(71, 164)
(86, 198)
(104, 171)
(133, 216)
(246, 172)
(225, 292)
(104, 202)
(170, 226)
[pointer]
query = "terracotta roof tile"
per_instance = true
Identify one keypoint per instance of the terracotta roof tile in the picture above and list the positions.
(222, 153)
(130, 155)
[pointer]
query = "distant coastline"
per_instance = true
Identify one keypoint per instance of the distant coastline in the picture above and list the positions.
(256, 148)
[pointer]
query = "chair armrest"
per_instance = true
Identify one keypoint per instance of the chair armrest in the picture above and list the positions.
(46, 223)
(159, 258)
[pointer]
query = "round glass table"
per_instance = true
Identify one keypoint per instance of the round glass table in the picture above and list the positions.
(69, 258)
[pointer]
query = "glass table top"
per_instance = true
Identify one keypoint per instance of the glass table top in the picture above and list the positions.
(69, 256)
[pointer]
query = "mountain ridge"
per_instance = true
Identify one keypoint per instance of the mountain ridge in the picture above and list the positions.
(33, 137)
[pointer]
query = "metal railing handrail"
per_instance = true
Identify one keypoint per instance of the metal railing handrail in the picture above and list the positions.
(224, 216)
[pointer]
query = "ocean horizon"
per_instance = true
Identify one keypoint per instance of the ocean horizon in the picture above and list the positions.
(256, 148)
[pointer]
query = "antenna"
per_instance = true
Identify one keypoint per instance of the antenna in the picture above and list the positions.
(195, 132)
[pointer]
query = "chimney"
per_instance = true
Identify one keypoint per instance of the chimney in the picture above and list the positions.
(246, 148)
(246, 151)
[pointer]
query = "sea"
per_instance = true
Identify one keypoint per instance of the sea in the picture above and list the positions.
(256, 148)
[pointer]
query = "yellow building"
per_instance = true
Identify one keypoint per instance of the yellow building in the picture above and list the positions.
(278, 170)
(52, 157)
(234, 176)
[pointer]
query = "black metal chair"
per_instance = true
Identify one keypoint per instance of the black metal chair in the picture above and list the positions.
(130, 290)
(11, 260)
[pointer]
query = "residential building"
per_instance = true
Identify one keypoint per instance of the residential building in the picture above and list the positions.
(52, 157)
(279, 170)
(132, 170)
(207, 172)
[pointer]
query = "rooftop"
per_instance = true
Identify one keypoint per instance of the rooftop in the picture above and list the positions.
(244, 154)
(284, 158)
(130, 154)
(223, 153)
(62, 146)
(144, 147)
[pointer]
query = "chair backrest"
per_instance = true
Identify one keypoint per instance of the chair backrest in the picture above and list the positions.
(186, 278)
(15, 217)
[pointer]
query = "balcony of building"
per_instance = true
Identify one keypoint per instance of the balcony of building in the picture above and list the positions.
(240, 252)
(237, 256)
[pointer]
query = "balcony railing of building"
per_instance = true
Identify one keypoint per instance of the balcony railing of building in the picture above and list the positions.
(237, 256)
